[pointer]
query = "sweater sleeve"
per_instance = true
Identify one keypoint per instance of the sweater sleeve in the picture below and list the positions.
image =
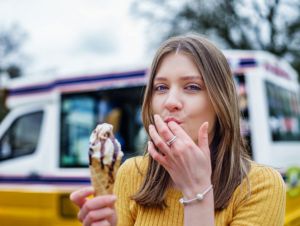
(264, 205)
(126, 185)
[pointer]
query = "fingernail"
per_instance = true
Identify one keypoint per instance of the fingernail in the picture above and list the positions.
(113, 198)
(88, 190)
(206, 127)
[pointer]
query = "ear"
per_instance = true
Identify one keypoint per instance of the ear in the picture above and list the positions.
(203, 138)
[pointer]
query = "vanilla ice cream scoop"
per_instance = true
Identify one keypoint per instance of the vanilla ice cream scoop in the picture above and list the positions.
(103, 144)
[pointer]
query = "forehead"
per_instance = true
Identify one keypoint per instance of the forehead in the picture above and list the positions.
(178, 64)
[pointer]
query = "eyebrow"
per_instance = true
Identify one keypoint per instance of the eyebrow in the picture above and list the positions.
(184, 78)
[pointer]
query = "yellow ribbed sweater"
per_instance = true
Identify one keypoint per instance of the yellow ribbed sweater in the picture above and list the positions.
(265, 206)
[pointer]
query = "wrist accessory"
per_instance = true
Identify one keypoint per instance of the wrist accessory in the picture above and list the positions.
(199, 197)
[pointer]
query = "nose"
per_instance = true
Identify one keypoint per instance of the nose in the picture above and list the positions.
(173, 101)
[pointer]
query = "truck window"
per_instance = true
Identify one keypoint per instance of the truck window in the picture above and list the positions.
(80, 113)
(22, 137)
(284, 113)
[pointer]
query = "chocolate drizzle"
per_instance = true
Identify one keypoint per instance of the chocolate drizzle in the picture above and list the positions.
(90, 155)
(102, 141)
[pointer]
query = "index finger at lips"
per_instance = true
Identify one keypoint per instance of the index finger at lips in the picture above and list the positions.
(157, 140)
(96, 203)
(162, 128)
(79, 196)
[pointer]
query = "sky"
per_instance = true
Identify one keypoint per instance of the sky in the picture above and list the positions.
(77, 36)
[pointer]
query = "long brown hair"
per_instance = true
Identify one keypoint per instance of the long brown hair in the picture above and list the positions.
(229, 158)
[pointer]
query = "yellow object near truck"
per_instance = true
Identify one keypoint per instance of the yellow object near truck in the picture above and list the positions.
(44, 137)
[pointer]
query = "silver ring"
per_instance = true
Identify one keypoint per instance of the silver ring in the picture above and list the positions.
(171, 141)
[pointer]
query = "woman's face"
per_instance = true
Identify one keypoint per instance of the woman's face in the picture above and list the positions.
(179, 94)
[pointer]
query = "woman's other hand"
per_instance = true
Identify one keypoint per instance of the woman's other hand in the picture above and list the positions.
(97, 211)
(187, 163)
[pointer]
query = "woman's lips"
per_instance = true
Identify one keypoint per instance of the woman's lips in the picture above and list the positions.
(172, 119)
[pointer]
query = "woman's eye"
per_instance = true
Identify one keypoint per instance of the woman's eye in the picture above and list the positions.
(193, 87)
(160, 88)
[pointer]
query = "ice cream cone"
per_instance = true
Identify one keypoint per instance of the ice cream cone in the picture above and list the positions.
(105, 158)
(101, 178)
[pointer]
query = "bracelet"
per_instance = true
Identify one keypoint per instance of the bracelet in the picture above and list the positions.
(199, 197)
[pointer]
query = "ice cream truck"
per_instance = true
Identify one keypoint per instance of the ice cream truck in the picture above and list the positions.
(44, 137)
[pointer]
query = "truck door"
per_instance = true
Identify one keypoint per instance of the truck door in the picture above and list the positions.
(20, 133)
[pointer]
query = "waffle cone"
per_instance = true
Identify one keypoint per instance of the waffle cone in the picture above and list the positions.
(103, 178)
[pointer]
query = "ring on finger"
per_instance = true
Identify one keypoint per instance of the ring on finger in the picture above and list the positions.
(171, 141)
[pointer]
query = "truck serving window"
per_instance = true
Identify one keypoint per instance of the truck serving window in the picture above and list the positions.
(22, 137)
(80, 113)
(284, 113)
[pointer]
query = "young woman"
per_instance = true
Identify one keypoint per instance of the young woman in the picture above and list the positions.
(196, 170)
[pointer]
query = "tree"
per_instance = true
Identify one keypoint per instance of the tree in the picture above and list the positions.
(11, 40)
(272, 25)
(3, 108)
